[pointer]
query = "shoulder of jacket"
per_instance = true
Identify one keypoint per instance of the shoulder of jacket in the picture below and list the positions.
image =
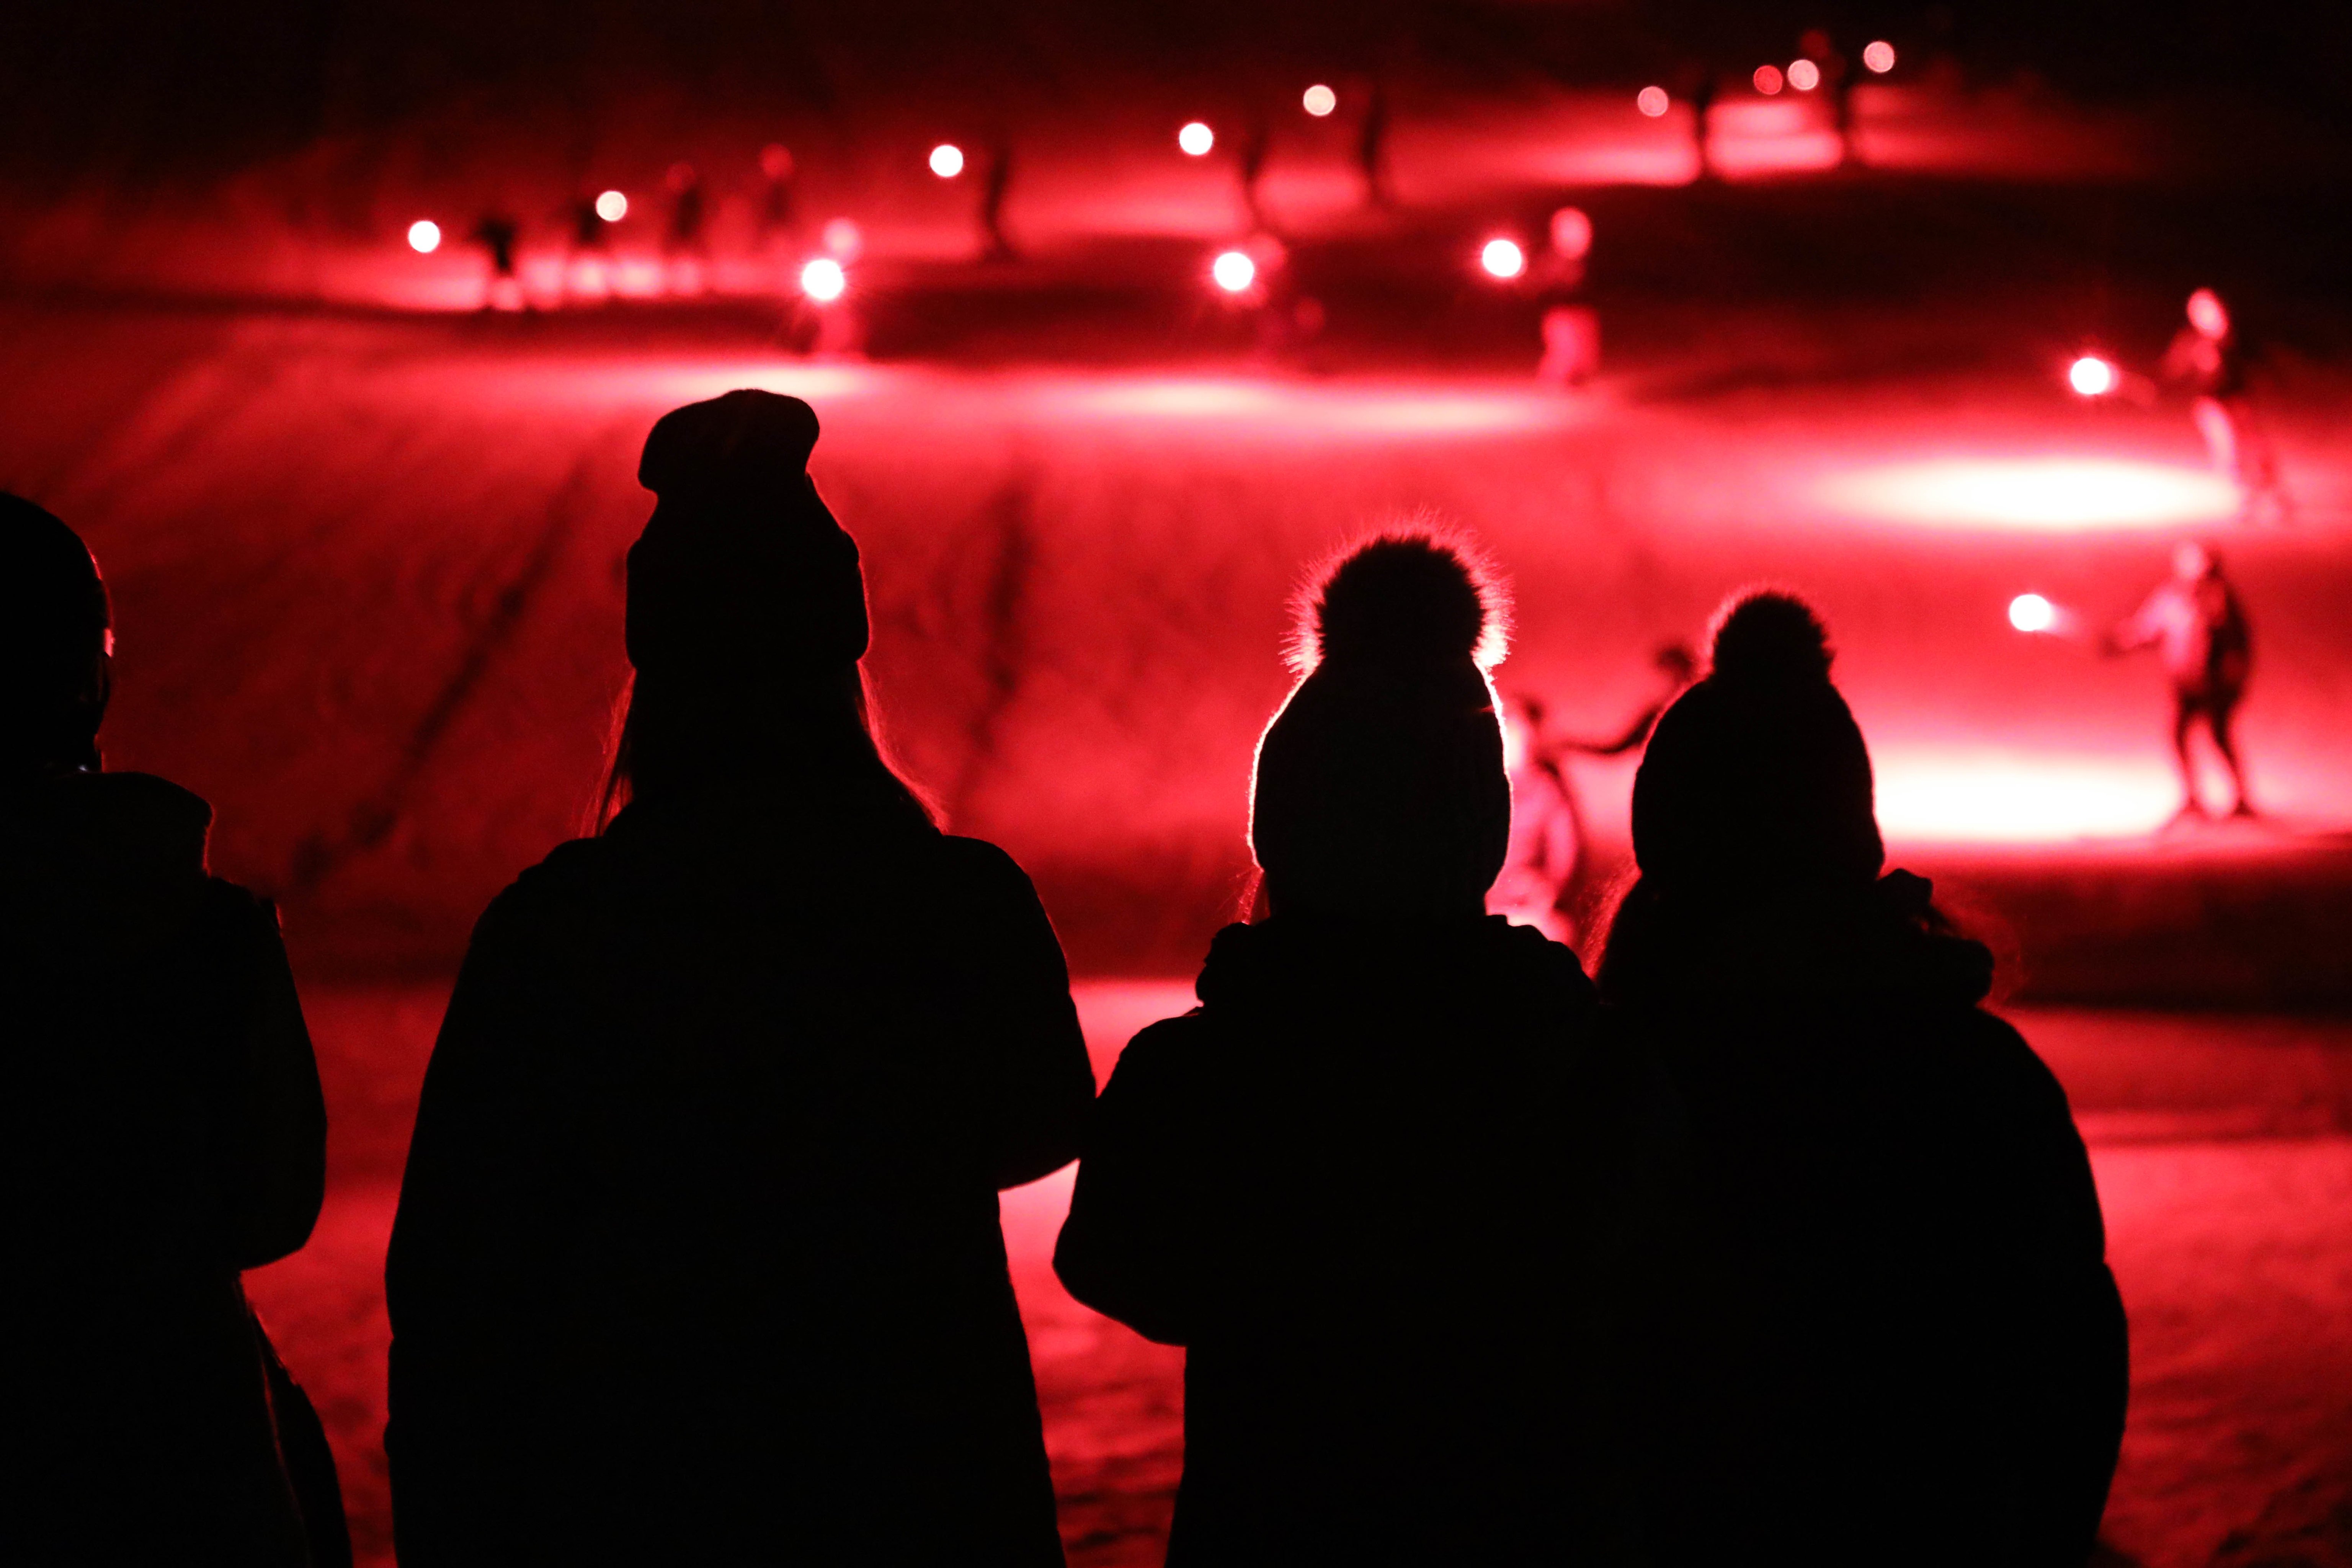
(571, 872)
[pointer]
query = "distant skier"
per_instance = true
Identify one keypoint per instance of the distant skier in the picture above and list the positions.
(2196, 624)
(496, 233)
(1702, 102)
(1571, 328)
(779, 220)
(1257, 143)
(1372, 147)
(993, 192)
(2212, 356)
(685, 250)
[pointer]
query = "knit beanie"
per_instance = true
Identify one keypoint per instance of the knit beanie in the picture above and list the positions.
(1756, 779)
(1380, 785)
(55, 625)
(741, 567)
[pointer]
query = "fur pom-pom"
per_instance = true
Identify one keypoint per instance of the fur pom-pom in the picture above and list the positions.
(1414, 594)
(1769, 635)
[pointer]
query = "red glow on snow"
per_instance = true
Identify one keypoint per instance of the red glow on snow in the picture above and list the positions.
(2060, 495)
(1992, 795)
(1319, 101)
(1767, 79)
(842, 239)
(611, 206)
(947, 159)
(425, 237)
(1234, 271)
(1651, 101)
(822, 280)
(1196, 138)
(2092, 376)
(2033, 613)
(1804, 75)
(1503, 259)
(1879, 56)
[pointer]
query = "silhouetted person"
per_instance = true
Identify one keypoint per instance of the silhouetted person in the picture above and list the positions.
(997, 184)
(1373, 146)
(496, 233)
(1381, 1184)
(1258, 145)
(1909, 1219)
(161, 1124)
(685, 247)
(2198, 629)
(779, 219)
(1547, 842)
(697, 1257)
(1702, 102)
(2212, 356)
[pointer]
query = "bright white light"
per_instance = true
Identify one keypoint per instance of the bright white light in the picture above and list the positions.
(1653, 102)
(2058, 495)
(947, 159)
(1234, 271)
(1319, 101)
(2092, 376)
(2033, 613)
(1503, 259)
(1989, 795)
(1196, 138)
(1879, 56)
(842, 239)
(822, 281)
(1767, 79)
(425, 237)
(1804, 75)
(611, 206)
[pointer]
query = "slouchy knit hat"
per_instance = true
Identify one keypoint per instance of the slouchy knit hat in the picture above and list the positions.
(54, 624)
(742, 565)
(1757, 775)
(1380, 785)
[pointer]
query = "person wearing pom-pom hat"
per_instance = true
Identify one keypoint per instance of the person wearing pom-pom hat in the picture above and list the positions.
(697, 1257)
(1914, 1240)
(1382, 1183)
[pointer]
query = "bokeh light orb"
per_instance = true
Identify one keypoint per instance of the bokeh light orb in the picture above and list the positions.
(822, 280)
(1879, 56)
(947, 159)
(1195, 138)
(2033, 613)
(1653, 102)
(425, 237)
(611, 206)
(1804, 75)
(842, 239)
(1571, 233)
(1234, 271)
(1767, 79)
(1319, 101)
(2207, 314)
(1503, 259)
(2091, 376)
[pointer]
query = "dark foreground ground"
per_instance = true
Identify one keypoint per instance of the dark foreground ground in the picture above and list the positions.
(2224, 1151)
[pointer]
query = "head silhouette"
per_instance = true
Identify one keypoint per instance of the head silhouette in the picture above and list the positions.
(746, 611)
(1757, 781)
(1380, 787)
(2193, 562)
(2207, 314)
(56, 645)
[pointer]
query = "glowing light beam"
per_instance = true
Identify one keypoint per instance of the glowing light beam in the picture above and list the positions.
(425, 237)
(2059, 495)
(1503, 259)
(947, 159)
(2091, 376)
(822, 280)
(1234, 271)
(2033, 613)
(1196, 139)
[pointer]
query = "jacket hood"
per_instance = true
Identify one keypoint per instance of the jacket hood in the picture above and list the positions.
(1296, 958)
(1886, 941)
(117, 827)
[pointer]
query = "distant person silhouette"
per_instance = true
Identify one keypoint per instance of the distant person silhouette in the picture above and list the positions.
(2198, 629)
(1382, 1183)
(496, 233)
(1912, 1230)
(686, 250)
(2212, 357)
(1704, 88)
(697, 1257)
(1373, 146)
(997, 184)
(779, 219)
(161, 1127)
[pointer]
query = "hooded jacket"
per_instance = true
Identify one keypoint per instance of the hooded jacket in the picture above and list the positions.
(698, 1257)
(1396, 1203)
(1936, 1366)
(161, 1128)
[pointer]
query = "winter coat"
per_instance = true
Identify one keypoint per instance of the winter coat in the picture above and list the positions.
(161, 1128)
(1939, 1359)
(697, 1257)
(1398, 1208)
